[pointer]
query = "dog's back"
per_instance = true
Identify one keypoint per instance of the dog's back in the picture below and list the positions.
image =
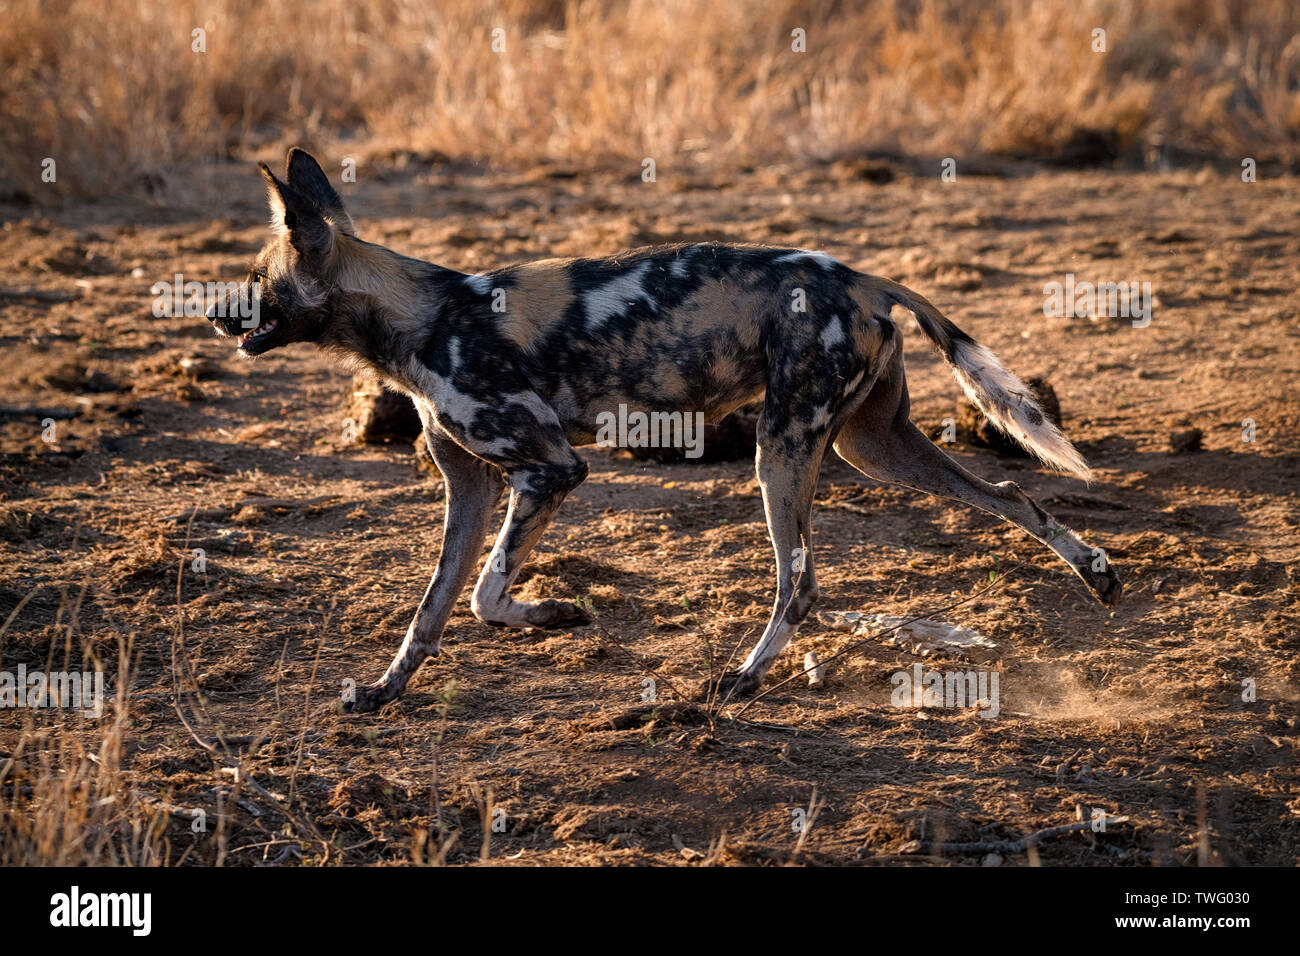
(702, 327)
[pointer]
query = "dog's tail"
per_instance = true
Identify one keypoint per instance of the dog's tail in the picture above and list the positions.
(1005, 400)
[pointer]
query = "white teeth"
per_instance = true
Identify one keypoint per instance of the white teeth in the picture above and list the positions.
(256, 333)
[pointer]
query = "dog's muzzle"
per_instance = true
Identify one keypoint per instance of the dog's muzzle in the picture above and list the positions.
(240, 314)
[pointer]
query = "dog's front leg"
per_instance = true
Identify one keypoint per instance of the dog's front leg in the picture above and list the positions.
(473, 487)
(536, 492)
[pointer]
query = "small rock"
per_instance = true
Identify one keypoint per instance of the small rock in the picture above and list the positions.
(73, 376)
(870, 170)
(198, 366)
(1184, 440)
(100, 382)
(687, 852)
(69, 376)
(816, 673)
(381, 415)
(840, 620)
(248, 515)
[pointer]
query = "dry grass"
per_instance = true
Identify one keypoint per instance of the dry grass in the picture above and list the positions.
(112, 91)
(64, 800)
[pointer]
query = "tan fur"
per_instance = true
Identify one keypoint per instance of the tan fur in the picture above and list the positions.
(278, 261)
(372, 270)
(539, 297)
(718, 304)
(275, 202)
(865, 333)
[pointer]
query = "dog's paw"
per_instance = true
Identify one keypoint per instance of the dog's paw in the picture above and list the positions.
(1105, 585)
(733, 685)
(370, 698)
(557, 614)
(1110, 595)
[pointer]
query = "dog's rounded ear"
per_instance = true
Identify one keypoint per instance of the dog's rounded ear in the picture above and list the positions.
(305, 176)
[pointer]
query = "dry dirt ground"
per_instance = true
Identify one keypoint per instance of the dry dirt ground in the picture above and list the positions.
(318, 550)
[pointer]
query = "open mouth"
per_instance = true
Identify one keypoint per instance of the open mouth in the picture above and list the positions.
(249, 339)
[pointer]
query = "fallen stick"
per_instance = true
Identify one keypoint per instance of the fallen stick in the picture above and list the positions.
(188, 813)
(40, 295)
(242, 778)
(247, 740)
(35, 411)
(225, 511)
(1007, 846)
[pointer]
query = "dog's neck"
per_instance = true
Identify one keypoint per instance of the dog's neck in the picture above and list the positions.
(382, 308)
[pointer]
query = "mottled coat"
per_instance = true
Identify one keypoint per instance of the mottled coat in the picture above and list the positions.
(511, 369)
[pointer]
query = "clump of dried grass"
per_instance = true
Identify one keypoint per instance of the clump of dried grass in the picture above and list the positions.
(113, 92)
(64, 800)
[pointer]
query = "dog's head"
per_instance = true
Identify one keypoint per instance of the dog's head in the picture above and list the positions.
(285, 297)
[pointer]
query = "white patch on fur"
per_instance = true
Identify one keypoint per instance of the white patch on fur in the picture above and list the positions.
(446, 402)
(769, 647)
(479, 283)
(1008, 403)
(615, 296)
(276, 202)
(680, 267)
(833, 334)
(857, 380)
(825, 260)
(533, 402)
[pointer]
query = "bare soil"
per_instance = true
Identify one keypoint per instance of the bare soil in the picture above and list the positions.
(317, 550)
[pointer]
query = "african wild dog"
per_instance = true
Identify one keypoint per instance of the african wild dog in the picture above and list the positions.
(505, 393)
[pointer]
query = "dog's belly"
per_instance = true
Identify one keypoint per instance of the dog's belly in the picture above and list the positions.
(592, 423)
(678, 382)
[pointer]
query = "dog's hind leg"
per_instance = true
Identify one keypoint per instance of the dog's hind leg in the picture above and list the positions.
(473, 489)
(814, 384)
(881, 442)
(787, 464)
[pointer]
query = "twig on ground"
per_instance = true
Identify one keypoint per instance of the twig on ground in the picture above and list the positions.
(1009, 846)
(877, 634)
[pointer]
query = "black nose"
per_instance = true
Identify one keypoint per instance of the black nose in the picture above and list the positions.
(223, 314)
